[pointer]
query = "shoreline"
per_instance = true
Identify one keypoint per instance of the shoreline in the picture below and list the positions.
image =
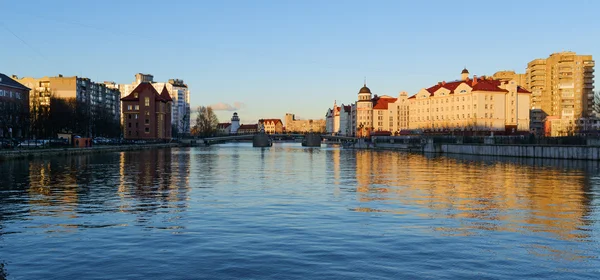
(40, 153)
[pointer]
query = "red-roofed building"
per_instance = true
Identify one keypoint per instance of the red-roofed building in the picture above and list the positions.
(224, 128)
(146, 113)
(248, 129)
(271, 126)
(477, 104)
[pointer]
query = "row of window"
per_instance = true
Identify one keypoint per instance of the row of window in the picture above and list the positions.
(10, 94)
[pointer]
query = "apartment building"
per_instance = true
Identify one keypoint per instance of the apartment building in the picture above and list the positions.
(562, 86)
(100, 101)
(14, 108)
(146, 113)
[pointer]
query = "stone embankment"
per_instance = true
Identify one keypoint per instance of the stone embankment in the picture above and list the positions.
(591, 151)
(49, 152)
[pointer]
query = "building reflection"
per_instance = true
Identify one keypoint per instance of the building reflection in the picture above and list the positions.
(152, 180)
(478, 194)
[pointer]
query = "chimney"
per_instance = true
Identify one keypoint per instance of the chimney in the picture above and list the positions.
(474, 79)
(15, 77)
(443, 82)
(439, 83)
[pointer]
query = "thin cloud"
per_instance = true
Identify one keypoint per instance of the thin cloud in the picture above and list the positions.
(227, 107)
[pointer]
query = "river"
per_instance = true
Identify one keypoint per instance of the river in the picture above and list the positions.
(288, 212)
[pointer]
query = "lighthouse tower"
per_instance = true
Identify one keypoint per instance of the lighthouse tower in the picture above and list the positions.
(235, 123)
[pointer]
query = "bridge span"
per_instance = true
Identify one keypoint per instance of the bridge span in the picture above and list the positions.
(227, 138)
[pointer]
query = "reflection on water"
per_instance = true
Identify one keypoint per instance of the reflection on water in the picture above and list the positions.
(289, 210)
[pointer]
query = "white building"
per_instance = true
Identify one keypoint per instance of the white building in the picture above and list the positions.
(339, 120)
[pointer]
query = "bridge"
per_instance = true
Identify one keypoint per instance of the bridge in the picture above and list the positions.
(227, 138)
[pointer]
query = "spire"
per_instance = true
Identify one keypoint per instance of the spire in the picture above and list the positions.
(365, 84)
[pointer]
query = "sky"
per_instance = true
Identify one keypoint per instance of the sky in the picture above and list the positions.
(267, 58)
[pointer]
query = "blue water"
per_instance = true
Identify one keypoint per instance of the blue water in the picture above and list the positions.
(288, 212)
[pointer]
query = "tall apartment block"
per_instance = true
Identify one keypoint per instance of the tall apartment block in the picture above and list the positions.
(101, 99)
(562, 87)
(178, 91)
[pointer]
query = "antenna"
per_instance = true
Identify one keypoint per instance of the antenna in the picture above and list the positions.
(365, 80)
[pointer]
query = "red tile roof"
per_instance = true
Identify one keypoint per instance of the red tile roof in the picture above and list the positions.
(223, 125)
(275, 121)
(380, 103)
(164, 96)
(248, 126)
(522, 90)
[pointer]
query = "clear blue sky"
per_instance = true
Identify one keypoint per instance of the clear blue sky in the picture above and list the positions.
(288, 56)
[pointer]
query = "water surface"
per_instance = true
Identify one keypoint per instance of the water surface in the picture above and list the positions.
(288, 212)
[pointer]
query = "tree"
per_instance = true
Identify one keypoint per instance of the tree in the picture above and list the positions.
(596, 106)
(206, 122)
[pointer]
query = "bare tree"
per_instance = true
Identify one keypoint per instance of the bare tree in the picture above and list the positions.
(596, 106)
(206, 122)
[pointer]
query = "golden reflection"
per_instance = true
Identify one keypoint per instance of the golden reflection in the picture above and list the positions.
(500, 196)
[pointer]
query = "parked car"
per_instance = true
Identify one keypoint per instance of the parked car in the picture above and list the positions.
(34, 144)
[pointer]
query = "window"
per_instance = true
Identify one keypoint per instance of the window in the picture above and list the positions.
(147, 130)
(147, 121)
(129, 116)
(135, 94)
(147, 101)
(129, 107)
(129, 124)
(136, 107)
(147, 113)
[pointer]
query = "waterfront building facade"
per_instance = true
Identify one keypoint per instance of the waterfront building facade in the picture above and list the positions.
(478, 104)
(14, 108)
(147, 114)
(248, 129)
(178, 91)
(224, 128)
(303, 126)
(271, 126)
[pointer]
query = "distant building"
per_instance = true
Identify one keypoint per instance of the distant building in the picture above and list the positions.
(14, 108)
(248, 129)
(224, 128)
(339, 120)
(235, 123)
(303, 126)
(100, 100)
(178, 91)
(271, 126)
(147, 114)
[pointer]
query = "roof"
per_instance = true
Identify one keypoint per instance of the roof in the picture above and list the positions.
(223, 125)
(522, 90)
(248, 126)
(8, 82)
(165, 95)
(270, 121)
(147, 86)
(365, 89)
(465, 71)
(347, 108)
(475, 84)
(380, 103)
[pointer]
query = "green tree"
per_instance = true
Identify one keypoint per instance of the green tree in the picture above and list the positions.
(206, 122)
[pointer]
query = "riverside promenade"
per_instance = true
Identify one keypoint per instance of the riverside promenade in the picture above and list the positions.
(577, 148)
(49, 152)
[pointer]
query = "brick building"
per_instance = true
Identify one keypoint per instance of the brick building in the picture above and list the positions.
(146, 113)
(14, 108)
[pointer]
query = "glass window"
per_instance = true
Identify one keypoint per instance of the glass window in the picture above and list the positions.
(147, 101)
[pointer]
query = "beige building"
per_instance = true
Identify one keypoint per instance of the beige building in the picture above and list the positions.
(477, 104)
(271, 126)
(303, 126)
(562, 86)
(102, 99)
